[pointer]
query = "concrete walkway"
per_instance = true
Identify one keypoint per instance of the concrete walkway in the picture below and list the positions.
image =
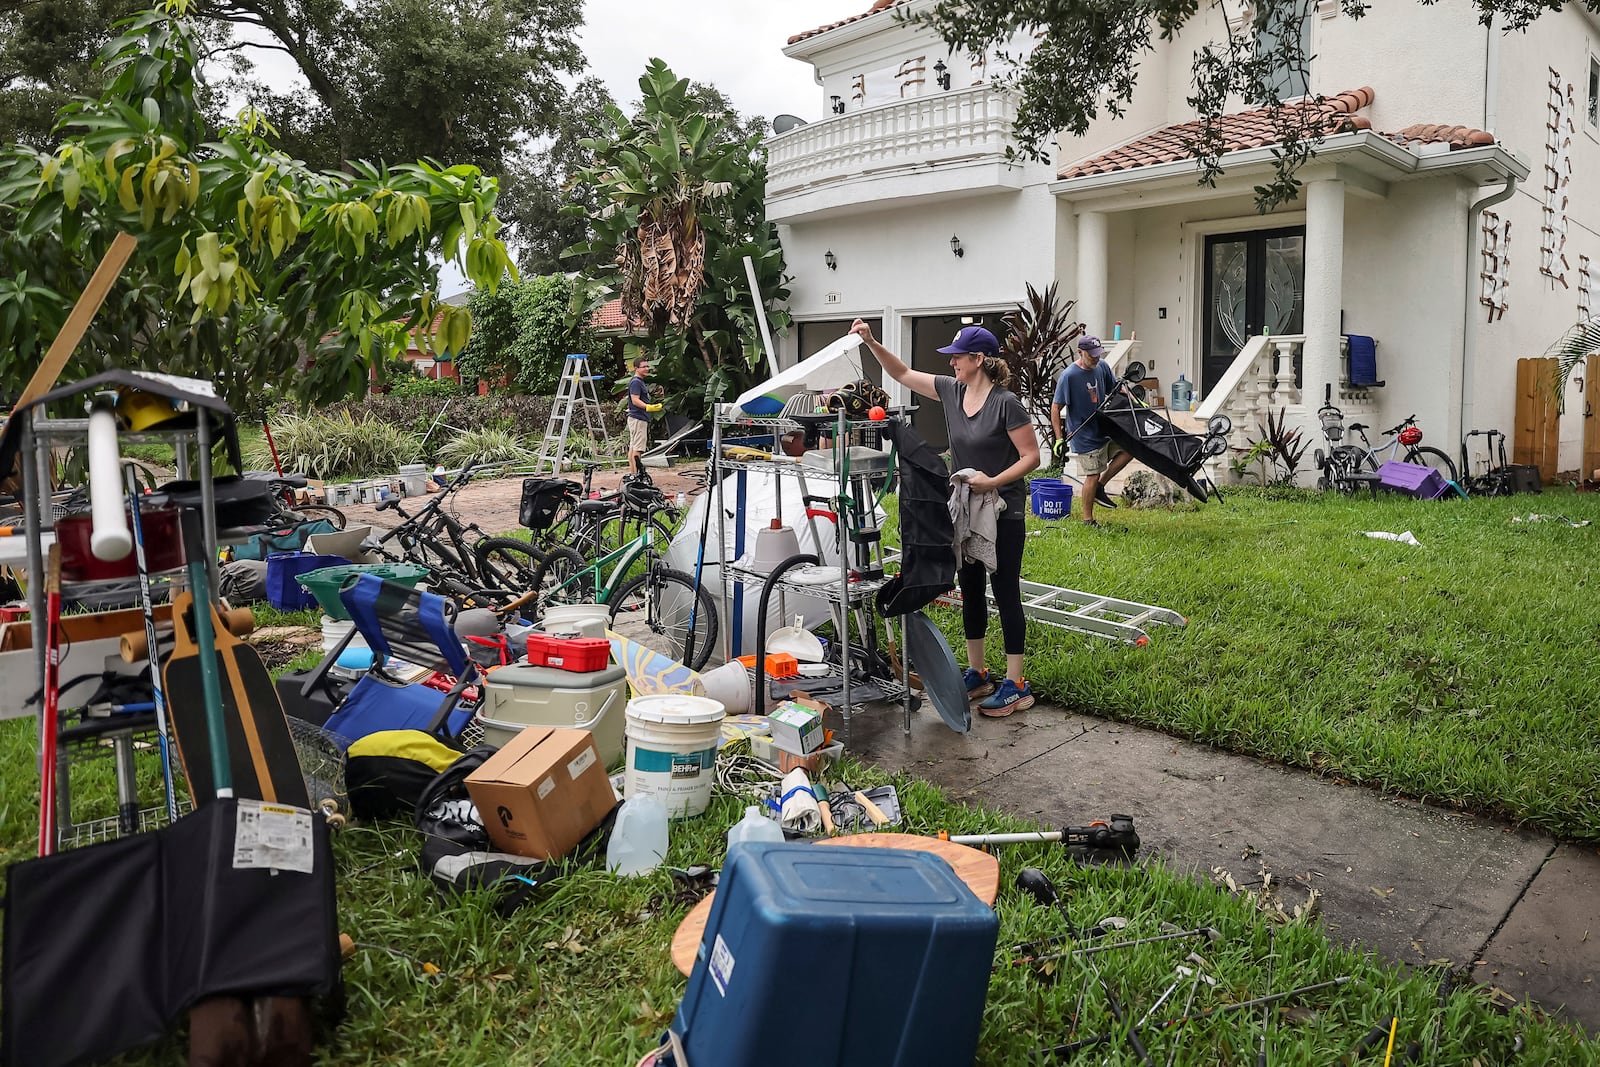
(1411, 882)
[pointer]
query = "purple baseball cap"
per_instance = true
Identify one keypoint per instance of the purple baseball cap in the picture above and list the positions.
(1092, 346)
(972, 340)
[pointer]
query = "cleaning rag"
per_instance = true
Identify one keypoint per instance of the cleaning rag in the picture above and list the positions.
(976, 517)
(1407, 538)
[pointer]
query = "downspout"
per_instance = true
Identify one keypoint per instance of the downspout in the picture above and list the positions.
(1491, 114)
(1473, 284)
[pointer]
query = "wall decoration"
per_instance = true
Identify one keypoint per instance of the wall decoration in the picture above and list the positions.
(858, 88)
(980, 67)
(912, 74)
(1588, 289)
(1557, 179)
(1496, 273)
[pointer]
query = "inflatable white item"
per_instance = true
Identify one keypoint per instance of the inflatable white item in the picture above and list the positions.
(835, 365)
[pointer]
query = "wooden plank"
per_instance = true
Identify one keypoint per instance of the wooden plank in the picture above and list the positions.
(1522, 432)
(1550, 421)
(1591, 418)
(83, 312)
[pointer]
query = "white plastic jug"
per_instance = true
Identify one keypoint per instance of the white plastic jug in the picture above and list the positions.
(754, 827)
(639, 838)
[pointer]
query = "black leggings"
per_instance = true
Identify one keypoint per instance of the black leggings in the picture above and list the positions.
(1007, 582)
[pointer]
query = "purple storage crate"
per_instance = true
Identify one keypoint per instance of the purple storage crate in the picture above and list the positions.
(1413, 479)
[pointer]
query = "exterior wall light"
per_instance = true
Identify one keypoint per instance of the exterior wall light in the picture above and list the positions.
(941, 75)
(955, 246)
(831, 260)
(838, 105)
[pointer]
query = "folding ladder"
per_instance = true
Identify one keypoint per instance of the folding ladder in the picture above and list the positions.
(1088, 613)
(575, 393)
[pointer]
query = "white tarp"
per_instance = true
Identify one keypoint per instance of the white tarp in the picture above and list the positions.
(835, 365)
(761, 500)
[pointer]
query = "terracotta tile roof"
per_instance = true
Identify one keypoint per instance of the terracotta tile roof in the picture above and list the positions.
(881, 5)
(1244, 129)
(1456, 137)
(608, 316)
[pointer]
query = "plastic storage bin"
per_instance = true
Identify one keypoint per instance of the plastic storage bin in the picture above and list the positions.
(1051, 497)
(1413, 479)
(522, 695)
(283, 592)
(905, 945)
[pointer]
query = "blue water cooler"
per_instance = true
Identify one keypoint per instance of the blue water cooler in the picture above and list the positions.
(838, 957)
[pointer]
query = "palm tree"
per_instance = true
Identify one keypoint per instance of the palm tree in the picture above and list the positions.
(1571, 349)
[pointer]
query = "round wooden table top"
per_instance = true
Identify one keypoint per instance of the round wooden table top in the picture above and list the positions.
(978, 869)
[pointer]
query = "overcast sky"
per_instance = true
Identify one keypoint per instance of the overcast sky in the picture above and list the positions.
(735, 45)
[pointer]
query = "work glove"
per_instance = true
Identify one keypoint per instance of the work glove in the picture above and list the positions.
(1059, 450)
(652, 408)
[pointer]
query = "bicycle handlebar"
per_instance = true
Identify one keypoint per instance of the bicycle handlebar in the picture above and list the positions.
(1411, 420)
(390, 503)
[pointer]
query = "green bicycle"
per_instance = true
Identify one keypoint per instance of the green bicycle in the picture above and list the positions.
(653, 608)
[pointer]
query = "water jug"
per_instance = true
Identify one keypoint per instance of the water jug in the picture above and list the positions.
(1181, 391)
(639, 838)
(754, 827)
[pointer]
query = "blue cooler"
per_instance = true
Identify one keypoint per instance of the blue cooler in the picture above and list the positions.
(848, 957)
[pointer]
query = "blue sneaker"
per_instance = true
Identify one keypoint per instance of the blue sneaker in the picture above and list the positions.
(978, 684)
(1008, 698)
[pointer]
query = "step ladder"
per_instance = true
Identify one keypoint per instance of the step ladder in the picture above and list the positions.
(1088, 613)
(1080, 612)
(576, 393)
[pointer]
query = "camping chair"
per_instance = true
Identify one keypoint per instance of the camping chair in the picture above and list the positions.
(1363, 366)
(399, 624)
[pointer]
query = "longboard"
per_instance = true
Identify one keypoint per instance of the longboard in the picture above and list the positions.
(260, 748)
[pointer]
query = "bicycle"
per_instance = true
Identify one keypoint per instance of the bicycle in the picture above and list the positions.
(1496, 479)
(652, 608)
(1348, 467)
(436, 539)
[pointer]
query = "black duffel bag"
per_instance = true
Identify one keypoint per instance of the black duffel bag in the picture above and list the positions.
(240, 501)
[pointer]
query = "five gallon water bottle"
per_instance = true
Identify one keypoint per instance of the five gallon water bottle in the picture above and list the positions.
(754, 827)
(1181, 391)
(639, 838)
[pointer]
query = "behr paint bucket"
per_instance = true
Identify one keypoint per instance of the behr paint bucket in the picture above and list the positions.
(672, 750)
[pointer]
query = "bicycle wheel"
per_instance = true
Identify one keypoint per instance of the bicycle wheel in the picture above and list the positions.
(653, 609)
(1432, 457)
(507, 563)
(313, 512)
(1346, 464)
(563, 578)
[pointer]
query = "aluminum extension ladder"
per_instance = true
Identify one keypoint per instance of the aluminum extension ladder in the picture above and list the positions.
(1088, 613)
(575, 393)
(1080, 612)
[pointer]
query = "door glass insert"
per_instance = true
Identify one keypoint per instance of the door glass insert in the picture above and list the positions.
(1254, 283)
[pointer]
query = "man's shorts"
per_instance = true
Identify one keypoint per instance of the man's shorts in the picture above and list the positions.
(1092, 463)
(638, 435)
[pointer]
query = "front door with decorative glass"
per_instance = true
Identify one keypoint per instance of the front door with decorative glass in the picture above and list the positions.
(1255, 283)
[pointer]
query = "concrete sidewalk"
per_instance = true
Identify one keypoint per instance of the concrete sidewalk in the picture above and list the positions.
(1411, 882)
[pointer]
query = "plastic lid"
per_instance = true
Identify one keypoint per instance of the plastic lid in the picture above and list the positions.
(680, 708)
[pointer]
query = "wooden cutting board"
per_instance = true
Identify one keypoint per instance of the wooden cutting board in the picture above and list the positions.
(978, 869)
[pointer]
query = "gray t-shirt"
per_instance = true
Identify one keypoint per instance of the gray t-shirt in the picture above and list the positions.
(983, 441)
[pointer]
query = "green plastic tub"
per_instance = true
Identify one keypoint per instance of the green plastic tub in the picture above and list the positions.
(325, 584)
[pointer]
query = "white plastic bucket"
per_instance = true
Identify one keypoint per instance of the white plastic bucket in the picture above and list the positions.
(672, 750)
(414, 478)
(590, 620)
(333, 631)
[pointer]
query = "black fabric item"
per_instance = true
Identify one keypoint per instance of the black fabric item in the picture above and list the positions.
(542, 499)
(240, 501)
(386, 772)
(1151, 439)
(445, 810)
(927, 560)
(517, 880)
(313, 707)
(107, 946)
(1010, 536)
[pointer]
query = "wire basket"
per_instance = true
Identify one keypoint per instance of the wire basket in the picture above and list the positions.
(322, 760)
(1333, 426)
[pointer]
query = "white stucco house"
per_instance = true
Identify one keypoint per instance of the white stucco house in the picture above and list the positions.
(1448, 221)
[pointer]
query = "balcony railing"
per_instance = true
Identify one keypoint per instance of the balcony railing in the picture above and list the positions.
(944, 127)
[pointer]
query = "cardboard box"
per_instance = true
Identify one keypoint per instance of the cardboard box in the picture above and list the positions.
(796, 728)
(543, 792)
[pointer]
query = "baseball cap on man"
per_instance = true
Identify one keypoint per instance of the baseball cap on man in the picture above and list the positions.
(972, 339)
(1092, 346)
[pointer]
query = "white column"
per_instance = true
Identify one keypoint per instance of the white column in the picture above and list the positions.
(1324, 288)
(1093, 265)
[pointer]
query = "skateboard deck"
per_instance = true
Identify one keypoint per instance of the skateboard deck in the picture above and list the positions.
(260, 749)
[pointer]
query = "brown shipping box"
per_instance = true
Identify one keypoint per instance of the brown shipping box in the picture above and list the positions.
(542, 792)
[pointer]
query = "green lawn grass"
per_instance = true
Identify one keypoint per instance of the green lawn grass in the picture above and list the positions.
(1464, 672)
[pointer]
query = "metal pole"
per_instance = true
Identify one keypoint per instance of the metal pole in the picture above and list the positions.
(208, 499)
(728, 643)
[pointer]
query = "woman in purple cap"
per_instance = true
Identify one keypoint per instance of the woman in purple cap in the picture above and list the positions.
(990, 432)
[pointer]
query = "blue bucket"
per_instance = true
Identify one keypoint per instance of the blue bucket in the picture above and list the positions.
(1051, 497)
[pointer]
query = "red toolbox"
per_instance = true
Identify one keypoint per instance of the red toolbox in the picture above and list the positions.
(581, 655)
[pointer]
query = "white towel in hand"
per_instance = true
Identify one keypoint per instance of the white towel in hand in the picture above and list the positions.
(799, 811)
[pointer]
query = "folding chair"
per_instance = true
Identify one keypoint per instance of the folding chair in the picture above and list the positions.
(399, 623)
(1363, 361)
